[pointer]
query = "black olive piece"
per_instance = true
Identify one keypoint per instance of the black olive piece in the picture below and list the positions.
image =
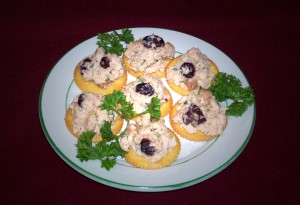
(80, 100)
(145, 148)
(191, 70)
(187, 117)
(194, 114)
(153, 41)
(82, 69)
(86, 60)
(104, 63)
(197, 111)
(144, 89)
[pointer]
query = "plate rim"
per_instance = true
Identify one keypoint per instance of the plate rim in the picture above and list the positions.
(138, 188)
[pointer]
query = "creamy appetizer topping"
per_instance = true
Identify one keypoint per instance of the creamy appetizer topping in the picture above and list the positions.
(148, 54)
(101, 68)
(87, 116)
(141, 91)
(152, 140)
(191, 71)
(199, 111)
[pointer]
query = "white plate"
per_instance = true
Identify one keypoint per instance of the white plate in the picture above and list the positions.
(197, 161)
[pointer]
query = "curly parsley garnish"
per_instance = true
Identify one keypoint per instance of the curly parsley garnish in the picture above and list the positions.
(111, 42)
(153, 109)
(228, 87)
(108, 149)
(117, 102)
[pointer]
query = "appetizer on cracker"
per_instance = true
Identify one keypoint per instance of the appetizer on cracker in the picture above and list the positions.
(149, 55)
(141, 92)
(84, 114)
(151, 145)
(100, 73)
(190, 71)
(198, 116)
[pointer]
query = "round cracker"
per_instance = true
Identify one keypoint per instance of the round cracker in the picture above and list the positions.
(137, 74)
(197, 136)
(92, 87)
(165, 108)
(143, 163)
(213, 68)
(69, 123)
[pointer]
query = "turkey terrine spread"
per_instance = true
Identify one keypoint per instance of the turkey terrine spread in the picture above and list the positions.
(199, 111)
(101, 68)
(152, 141)
(149, 57)
(191, 71)
(141, 91)
(86, 114)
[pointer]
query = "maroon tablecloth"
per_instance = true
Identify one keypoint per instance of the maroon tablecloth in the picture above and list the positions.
(262, 37)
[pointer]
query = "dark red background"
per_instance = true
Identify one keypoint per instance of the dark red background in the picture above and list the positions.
(262, 37)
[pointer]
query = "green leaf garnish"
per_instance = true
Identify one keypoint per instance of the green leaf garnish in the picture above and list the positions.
(106, 150)
(85, 150)
(229, 87)
(117, 102)
(153, 109)
(111, 42)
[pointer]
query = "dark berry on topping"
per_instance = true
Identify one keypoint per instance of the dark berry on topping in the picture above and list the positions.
(187, 70)
(194, 114)
(144, 89)
(187, 118)
(82, 69)
(80, 100)
(146, 148)
(104, 63)
(198, 114)
(86, 60)
(153, 41)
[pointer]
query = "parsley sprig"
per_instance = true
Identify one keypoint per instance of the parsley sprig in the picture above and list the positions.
(108, 149)
(153, 109)
(111, 42)
(117, 102)
(229, 87)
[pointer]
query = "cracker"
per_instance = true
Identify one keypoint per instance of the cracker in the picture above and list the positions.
(165, 108)
(69, 123)
(143, 163)
(137, 74)
(92, 87)
(213, 68)
(198, 136)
